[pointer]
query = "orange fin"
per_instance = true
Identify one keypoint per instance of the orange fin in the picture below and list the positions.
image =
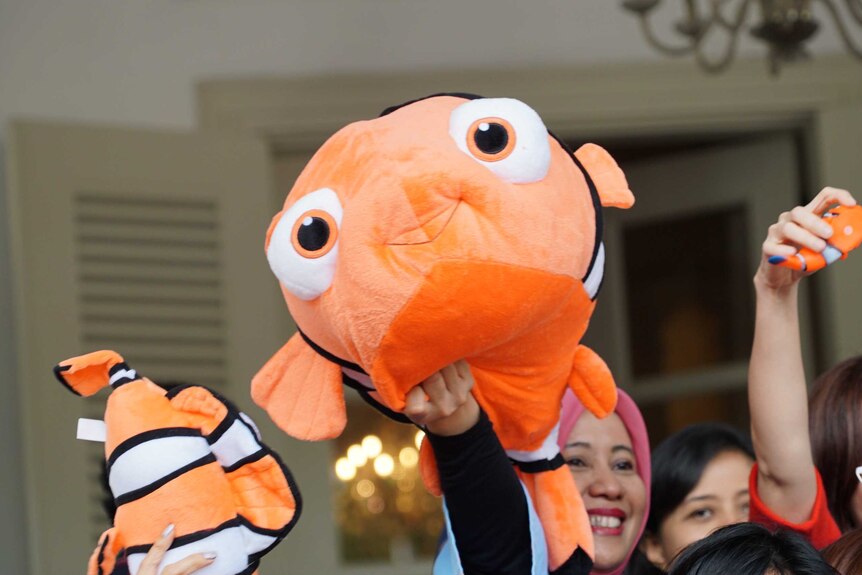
(266, 495)
(562, 513)
(302, 392)
(592, 382)
(87, 374)
(199, 402)
(104, 556)
(610, 181)
(428, 469)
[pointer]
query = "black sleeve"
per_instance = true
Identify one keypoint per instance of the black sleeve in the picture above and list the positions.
(486, 503)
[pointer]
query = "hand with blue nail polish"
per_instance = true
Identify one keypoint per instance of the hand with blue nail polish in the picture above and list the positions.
(806, 239)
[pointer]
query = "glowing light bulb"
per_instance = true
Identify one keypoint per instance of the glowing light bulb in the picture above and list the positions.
(408, 457)
(420, 435)
(366, 488)
(384, 465)
(344, 470)
(372, 446)
(356, 455)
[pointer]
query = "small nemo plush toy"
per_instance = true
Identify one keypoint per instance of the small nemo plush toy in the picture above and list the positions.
(187, 457)
(452, 227)
(846, 224)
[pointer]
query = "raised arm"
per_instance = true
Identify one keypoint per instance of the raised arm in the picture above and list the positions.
(486, 504)
(777, 393)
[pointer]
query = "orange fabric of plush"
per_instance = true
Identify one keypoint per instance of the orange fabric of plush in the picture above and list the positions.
(310, 412)
(441, 258)
(88, 374)
(104, 556)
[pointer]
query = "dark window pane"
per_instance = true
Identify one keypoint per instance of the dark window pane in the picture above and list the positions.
(689, 292)
(665, 418)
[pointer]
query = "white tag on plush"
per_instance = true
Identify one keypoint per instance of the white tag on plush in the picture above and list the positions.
(91, 430)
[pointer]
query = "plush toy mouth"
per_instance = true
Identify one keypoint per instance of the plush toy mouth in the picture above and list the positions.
(429, 230)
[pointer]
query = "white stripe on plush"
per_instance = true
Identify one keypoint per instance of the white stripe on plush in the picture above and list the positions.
(594, 280)
(251, 424)
(229, 544)
(237, 442)
(361, 378)
(150, 461)
(831, 254)
(124, 374)
(548, 450)
(255, 542)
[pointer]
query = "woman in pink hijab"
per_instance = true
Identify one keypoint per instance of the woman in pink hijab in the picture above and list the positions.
(610, 462)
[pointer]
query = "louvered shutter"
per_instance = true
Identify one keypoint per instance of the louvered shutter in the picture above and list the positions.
(148, 243)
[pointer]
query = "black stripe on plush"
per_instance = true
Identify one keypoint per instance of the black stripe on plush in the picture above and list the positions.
(365, 393)
(333, 358)
(136, 494)
(256, 456)
(190, 538)
(118, 367)
(101, 556)
(465, 95)
(541, 465)
(222, 427)
(146, 436)
(58, 371)
(597, 205)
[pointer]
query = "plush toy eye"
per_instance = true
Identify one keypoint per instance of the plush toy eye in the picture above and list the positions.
(504, 135)
(491, 139)
(302, 244)
(314, 234)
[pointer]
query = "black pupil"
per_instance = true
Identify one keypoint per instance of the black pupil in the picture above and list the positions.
(491, 138)
(313, 234)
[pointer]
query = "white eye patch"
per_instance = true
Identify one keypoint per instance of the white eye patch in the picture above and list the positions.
(504, 135)
(303, 247)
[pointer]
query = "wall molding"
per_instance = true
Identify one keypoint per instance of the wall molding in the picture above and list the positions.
(636, 99)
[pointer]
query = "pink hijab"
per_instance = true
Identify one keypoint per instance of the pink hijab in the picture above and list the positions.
(633, 421)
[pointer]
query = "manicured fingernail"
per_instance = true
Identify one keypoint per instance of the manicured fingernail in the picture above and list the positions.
(168, 530)
(210, 556)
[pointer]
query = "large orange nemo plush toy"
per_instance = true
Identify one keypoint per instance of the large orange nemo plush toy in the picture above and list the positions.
(451, 227)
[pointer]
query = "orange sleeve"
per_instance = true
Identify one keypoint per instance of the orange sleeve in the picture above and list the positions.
(820, 528)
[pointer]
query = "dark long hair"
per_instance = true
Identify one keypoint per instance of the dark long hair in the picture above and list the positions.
(835, 421)
(845, 555)
(751, 549)
(678, 463)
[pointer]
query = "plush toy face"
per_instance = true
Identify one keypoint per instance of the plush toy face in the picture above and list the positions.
(437, 232)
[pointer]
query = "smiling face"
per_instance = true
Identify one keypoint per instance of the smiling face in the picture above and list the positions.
(720, 498)
(601, 458)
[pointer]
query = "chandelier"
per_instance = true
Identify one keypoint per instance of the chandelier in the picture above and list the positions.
(784, 25)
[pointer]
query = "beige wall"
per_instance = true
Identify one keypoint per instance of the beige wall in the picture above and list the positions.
(135, 62)
(12, 518)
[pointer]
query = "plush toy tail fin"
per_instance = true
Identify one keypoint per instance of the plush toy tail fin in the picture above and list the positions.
(87, 374)
(104, 557)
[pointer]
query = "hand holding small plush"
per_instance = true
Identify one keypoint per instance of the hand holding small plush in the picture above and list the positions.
(821, 241)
